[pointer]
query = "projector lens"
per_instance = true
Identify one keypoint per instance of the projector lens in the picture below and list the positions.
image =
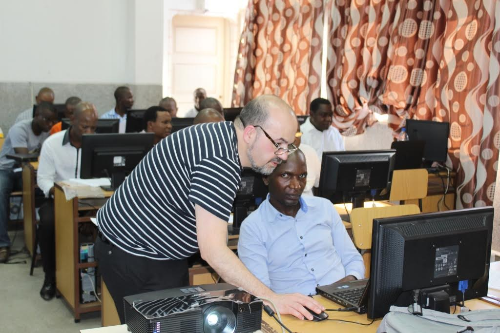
(212, 319)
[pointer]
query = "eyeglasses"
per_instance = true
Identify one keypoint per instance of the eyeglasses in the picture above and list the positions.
(279, 150)
(49, 120)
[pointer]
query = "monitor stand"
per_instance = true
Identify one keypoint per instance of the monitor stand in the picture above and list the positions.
(358, 200)
(117, 178)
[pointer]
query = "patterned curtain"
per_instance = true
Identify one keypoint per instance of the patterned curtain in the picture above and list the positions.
(427, 59)
(280, 52)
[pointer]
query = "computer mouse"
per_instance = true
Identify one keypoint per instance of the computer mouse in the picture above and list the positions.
(318, 316)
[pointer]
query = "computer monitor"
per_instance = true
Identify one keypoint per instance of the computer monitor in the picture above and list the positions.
(435, 134)
(302, 119)
(60, 108)
(353, 176)
(180, 123)
(135, 121)
(251, 193)
(103, 125)
(429, 254)
(408, 154)
(230, 114)
(113, 155)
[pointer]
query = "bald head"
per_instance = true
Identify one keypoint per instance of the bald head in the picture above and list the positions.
(208, 116)
(211, 103)
(84, 109)
(45, 95)
(266, 108)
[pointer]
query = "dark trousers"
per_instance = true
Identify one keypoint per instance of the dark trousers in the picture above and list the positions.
(46, 238)
(126, 274)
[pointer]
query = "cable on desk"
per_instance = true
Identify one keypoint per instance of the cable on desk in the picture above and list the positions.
(445, 189)
(352, 322)
(271, 313)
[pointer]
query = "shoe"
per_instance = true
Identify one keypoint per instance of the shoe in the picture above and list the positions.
(48, 290)
(4, 254)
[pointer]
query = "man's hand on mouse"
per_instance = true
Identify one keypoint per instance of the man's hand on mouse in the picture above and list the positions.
(294, 304)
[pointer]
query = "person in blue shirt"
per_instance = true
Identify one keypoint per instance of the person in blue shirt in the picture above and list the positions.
(292, 243)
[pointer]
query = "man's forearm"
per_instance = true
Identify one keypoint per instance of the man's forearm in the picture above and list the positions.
(232, 270)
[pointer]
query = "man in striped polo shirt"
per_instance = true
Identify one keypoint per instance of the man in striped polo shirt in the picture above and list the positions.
(179, 199)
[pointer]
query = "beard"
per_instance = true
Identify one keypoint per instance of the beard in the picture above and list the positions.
(266, 169)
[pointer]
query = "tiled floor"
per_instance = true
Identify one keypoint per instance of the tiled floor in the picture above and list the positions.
(23, 310)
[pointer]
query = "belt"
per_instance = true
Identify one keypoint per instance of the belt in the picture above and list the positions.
(103, 238)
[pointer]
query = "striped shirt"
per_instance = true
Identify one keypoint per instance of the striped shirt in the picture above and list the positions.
(152, 213)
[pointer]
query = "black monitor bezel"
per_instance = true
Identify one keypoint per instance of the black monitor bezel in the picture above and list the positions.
(109, 126)
(377, 307)
(435, 150)
(121, 141)
(134, 125)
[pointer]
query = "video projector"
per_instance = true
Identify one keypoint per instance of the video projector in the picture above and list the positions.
(206, 308)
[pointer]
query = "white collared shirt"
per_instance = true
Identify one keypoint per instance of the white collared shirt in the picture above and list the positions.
(191, 113)
(59, 160)
(313, 168)
(321, 141)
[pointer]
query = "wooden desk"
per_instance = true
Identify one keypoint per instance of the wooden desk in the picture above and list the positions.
(431, 203)
(68, 218)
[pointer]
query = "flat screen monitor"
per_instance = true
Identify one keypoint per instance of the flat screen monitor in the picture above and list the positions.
(435, 134)
(135, 121)
(353, 176)
(230, 114)
(113, 155)
(180, 123)
(103, 125)
(302, 119)
(251, 193)
(409, 154)
(429, 254)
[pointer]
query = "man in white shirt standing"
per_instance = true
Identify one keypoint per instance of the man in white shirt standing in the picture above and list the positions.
(199, 95)
(124, 101)
(44, 95)
(318, 131)
(60, 159)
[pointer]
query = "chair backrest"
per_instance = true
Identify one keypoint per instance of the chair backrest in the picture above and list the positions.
(362, 224)
(409, 184)
(362, 221)
(1, 142)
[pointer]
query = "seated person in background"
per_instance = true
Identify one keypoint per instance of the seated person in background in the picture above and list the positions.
(313, 164)
(212, 103)
(169, 104)
(199, 95)
(58, 161)
(68, 113)
(44, 95)
(318, 131)
(24, 137)
(208, 115)
(293, 243)
(124, 101)
(157, 120)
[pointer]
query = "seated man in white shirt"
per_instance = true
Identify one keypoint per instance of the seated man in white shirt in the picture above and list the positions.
(169, 104)
(199, 95)
(157, 120)
(59, 160)
(318, 131)
(293, 243)
(124, 101)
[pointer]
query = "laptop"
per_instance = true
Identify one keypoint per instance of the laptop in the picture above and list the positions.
(351, 294)
(409, 154)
